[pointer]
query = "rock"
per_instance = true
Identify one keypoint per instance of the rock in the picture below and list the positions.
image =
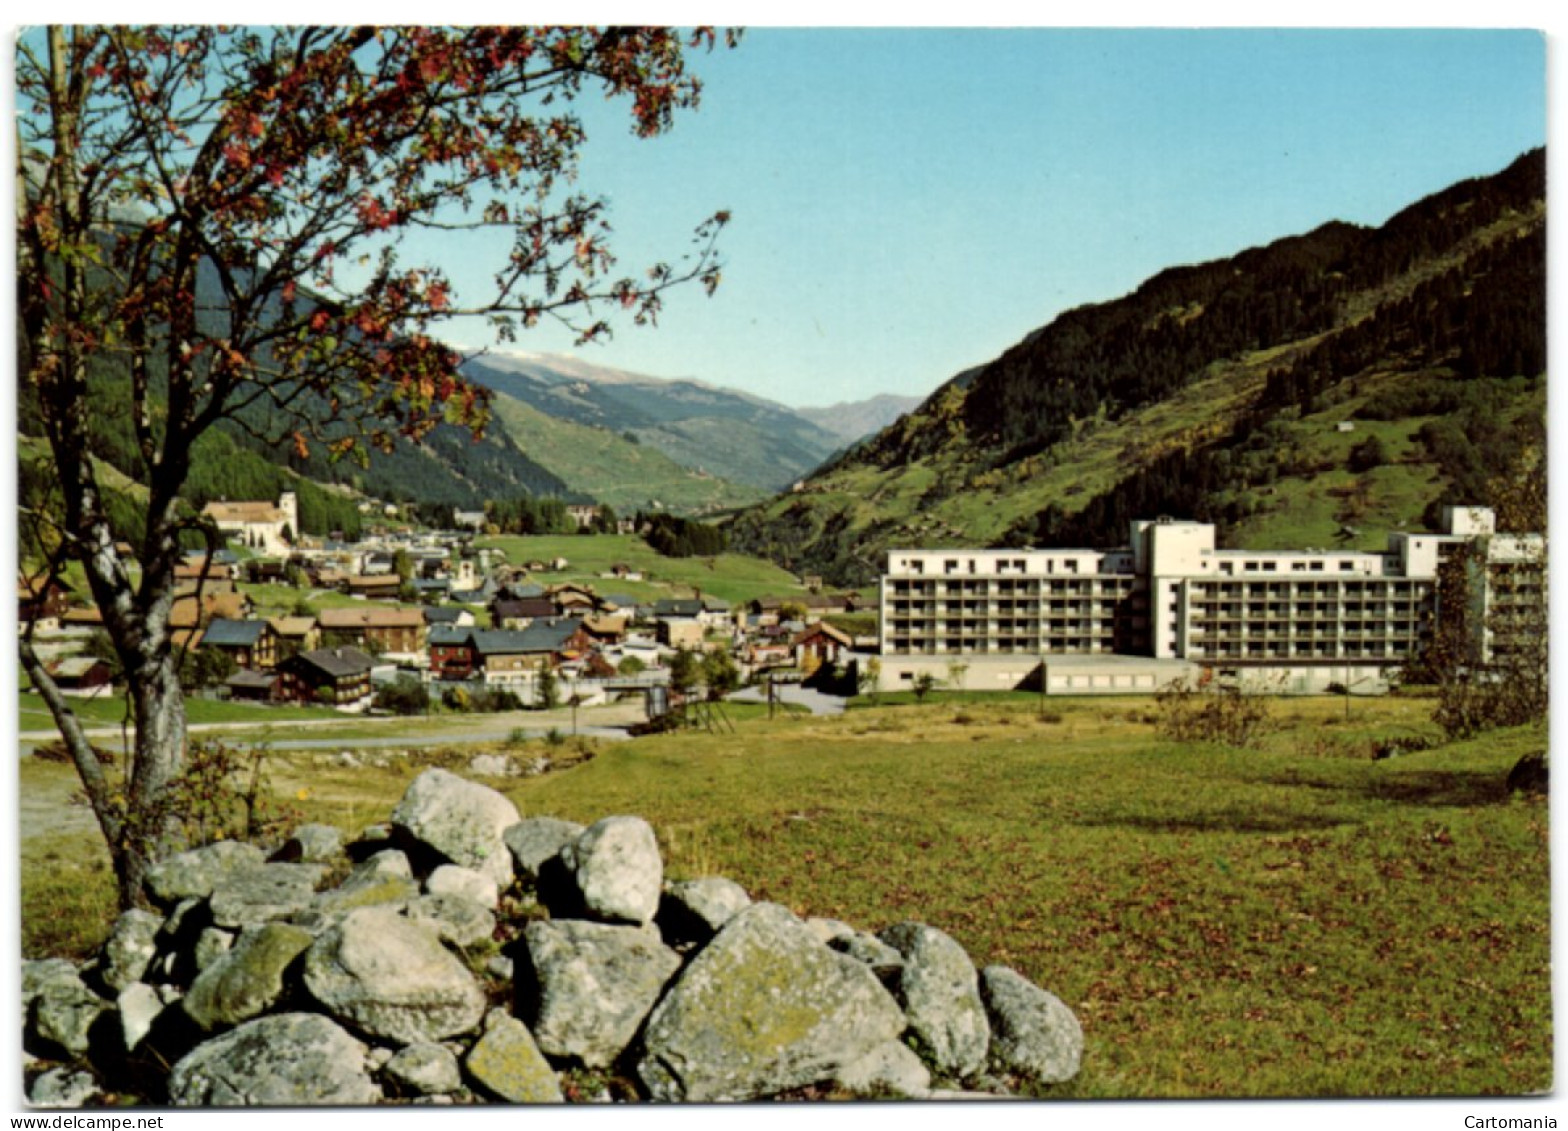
(501, 968)
(139, 1005)
(366, 886)
(1530, 775)
(193, 874)
(889, 1071)
(211, 945)
(829, 929)
(265, 892)
(390, 861)
(508, 1064)
(64, 1011)
(184, 924)
(493, 766)
(885, 962)
(763, 1008)
(586, 988)
(311, 844)
(390, 977)
(455, 919)
(285, 1060)
(63, 1087)
(130, 948)
(449, 879)
(37, 971)
(424, 1069)
(692, 911)
(248, 980)
(536, 839)
(1033, 1033)
(460, 821)
(940, 993)
(615, 871)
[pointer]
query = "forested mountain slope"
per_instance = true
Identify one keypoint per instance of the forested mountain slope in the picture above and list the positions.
(1217, 392)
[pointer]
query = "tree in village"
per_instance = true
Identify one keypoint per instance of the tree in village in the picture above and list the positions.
(213, 217)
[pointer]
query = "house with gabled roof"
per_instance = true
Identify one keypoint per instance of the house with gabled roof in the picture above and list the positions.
(400, 631)
(249, 643)
(520, 612)
(338, 677)
(296, 634)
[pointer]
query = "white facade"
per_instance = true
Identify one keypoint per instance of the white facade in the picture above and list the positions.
(1300, 619)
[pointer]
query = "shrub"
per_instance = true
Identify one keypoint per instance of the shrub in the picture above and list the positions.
(1191, 712)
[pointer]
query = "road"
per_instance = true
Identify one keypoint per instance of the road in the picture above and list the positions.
(608, 722)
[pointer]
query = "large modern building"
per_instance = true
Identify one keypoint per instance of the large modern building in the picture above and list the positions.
(1173, 605)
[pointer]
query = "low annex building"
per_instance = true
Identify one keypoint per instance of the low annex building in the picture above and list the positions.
(1173, 605)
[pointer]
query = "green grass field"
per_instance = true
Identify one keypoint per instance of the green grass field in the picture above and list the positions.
(1295, 920)
(731, 577)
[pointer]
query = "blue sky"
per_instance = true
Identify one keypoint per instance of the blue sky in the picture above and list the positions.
(910, 202)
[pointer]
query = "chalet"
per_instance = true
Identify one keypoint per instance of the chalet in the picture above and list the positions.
(432, 588)
(583, 514)
(470, 520)
(264, 527)
(623, 572)
(521, 612)
(81, 675)
(507, 655)
(449, 615)
(260, 687)
(206, 572)
(296, 634)
(381, 586)
(338, 677)
(43, 601)
(758, 655)
(819, 644)
(690, 608)
(452, 651)
(261, 572)
(605, 629)
(225, 604)
(391, 630)
(572, 599)
(250, 643)
(679, 632)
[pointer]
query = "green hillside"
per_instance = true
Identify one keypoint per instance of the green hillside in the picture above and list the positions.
(1214, 392)
(607, 466)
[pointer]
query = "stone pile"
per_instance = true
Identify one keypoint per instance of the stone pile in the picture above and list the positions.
(461, 954)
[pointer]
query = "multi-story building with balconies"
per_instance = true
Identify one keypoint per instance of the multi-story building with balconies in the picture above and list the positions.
(1172, 604)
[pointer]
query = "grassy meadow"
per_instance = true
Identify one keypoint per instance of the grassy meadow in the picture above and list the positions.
(1294, 920)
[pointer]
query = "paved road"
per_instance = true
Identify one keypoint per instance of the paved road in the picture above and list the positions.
(607, 722)
(814, 701)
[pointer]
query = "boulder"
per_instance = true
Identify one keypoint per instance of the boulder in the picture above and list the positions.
(248, 980)
(534, 840)
(493, 766)
(37, 971)
(193, 874)
(940, 993)
(63, 1087)
(508, 1064)
(829, 929)
(285, 1060)
(311, 844)
(139, 1006)
(449, 879)
(424, 1069)
(391, 860)
(390, 977)
(366, 886)
(259, 894)
(1033, 1033)
(64, 1012)
(763, 1008)
(692, 911)
(885, 962)
(129, 949)
(615, 872)
(457, 920)
(889, 1071)
(586, 988)
(459, 821)
(211, 945)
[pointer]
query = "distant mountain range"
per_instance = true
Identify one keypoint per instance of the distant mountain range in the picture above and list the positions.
(725, 435)
(1322, 390)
